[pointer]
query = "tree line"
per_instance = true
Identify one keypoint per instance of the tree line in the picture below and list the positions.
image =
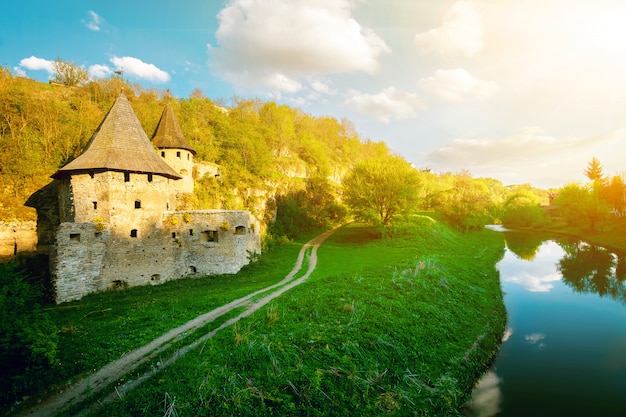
(312, 171)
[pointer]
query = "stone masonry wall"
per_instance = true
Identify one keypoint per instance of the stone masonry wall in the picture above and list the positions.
(91, 257)
(182, 162)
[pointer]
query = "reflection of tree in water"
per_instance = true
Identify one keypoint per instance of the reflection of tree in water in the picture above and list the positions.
(524, 245)
(592, 269)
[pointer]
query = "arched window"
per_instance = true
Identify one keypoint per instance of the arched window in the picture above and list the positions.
(133, 233)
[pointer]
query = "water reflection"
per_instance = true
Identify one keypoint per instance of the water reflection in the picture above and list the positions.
(486, 398)
(592, 269)
(536, 340)
(524, 245)
(564, 351)
(536, 276)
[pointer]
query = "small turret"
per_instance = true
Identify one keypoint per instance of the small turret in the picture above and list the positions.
(174, 148)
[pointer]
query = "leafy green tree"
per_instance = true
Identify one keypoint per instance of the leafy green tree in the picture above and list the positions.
(521, 209)
(580, 205)
(69, 73)
(469, 204)
(377, 190)
(614, 194)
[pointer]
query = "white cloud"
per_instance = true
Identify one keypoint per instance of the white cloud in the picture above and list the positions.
(322, 88)
(389, 104)
(457, 85)
(19, 72)
(135, 67)
(293, 38)
(281, 83)
(535, 283)
(95, 21)
(98, 71)
(461, 32)
(36, 64)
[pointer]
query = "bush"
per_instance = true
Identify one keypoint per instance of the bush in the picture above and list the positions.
(526, 216)
(28, 338)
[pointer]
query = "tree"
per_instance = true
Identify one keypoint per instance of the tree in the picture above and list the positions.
(69, 73)
(377, 190)
(615, 195)
(469, 204)
(578, 204)
(521, 208)
(594, 171)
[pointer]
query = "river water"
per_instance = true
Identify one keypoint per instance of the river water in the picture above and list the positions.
(564, 350)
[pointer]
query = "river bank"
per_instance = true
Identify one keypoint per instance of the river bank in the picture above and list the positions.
(397, 326)
(401, 325)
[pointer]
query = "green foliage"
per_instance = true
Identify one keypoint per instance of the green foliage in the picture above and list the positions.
(260, 146)
(69, 74)
(377, 190)
(28, 338)
(303, 211)
(521, 209)
(614, 194)
(469, 204)
(526, 216)
(580, 205)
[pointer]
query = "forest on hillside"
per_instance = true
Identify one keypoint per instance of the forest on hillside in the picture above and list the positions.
(274, 152)
(256, 144)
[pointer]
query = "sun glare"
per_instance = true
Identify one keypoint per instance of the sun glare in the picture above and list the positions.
(602, 32)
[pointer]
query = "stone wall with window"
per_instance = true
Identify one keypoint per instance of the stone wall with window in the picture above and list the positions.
(98, 256)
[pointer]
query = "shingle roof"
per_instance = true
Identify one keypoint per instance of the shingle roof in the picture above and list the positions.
(168, 134)
(119, 144)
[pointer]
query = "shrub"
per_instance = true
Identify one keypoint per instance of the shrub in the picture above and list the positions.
(28, 338)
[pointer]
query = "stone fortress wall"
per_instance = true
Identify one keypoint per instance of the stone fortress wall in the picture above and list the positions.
(93, 256)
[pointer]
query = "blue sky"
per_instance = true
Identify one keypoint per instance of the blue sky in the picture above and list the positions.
(521, 91)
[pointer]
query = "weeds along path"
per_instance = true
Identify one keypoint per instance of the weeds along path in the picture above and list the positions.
(82, 390)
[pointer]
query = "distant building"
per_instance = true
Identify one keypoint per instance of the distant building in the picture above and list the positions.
(116, 223)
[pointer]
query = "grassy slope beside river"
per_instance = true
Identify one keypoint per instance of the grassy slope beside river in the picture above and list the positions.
(400, 326)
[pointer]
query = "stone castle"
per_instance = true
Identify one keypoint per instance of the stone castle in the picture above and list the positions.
(116, 223)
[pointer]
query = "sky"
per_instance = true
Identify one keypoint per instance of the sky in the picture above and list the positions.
(523, 91)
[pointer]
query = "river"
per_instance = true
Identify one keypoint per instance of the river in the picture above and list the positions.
(564, 349)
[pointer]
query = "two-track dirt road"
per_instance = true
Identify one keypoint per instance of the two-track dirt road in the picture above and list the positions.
(106, 377)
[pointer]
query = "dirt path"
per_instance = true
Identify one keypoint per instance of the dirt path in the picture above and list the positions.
(112, 372)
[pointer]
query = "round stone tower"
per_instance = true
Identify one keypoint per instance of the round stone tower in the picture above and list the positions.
(174, 149)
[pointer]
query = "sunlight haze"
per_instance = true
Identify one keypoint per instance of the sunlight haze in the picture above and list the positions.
(518, 91)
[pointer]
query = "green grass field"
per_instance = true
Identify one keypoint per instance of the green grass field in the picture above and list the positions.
(104, 326)
(395, 326)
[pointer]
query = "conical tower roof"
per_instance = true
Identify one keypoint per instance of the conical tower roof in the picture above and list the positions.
(168, 134)
(119, 144)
